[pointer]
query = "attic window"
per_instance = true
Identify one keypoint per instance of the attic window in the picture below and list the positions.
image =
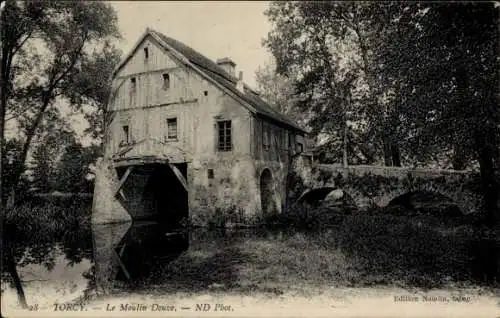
(126, 134)
(166, 81)
(146, 53)
(132, 84)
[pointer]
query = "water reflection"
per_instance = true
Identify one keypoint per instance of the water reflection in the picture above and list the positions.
(46, 268)
(131, 251)
(152, 255)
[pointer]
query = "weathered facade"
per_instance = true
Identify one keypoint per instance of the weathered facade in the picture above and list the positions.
(187, 140)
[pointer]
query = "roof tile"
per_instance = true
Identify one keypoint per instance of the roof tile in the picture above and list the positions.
(218, 74)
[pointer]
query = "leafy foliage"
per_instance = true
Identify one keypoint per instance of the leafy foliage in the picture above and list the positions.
(416, 82)
(54, 53)
(327, 50)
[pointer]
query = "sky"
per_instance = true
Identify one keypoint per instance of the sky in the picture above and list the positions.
(216, 29)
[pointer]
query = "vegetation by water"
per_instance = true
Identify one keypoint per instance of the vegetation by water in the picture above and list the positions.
(276, 262)
(49, 216)
(325, 248)
(306, 248)
(39, 231)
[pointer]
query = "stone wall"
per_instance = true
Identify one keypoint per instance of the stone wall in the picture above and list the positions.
(371, 186)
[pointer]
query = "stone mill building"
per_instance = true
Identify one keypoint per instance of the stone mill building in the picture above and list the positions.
(187, 140)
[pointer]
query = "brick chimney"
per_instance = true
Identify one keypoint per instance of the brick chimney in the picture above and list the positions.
(239, 84)
(227, 64)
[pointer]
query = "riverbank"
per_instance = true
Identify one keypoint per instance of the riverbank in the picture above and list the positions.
(312, 245)
(323, 252)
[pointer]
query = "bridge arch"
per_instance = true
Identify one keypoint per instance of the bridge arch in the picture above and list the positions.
(314, 195)
(317, 195)
(407, 201)
(466, 201)
(375, 187)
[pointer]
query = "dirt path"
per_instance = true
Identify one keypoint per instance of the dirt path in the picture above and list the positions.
(306, 302)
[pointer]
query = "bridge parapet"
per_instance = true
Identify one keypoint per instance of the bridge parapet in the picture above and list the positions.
(378, 185)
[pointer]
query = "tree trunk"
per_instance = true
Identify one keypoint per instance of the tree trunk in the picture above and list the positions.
(387, 152)
(4, 82)
(30, 134)
(344, 148)
(458, 161)
(11, 267)
(395, 155)
(489, 185)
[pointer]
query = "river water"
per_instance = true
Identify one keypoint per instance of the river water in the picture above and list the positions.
(118, 257)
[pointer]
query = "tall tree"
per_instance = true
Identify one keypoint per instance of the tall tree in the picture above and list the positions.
(443, 60)
(45, 47)
(276, 89)
(53, 51)
(327, 48)
(46, 155)
(73, 169)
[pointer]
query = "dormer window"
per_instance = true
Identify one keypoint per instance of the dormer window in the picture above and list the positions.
(166, 81)
(146, 53)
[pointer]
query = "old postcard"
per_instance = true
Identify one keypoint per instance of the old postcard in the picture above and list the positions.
(249, 159)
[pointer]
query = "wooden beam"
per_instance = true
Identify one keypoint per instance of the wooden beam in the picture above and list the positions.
(179, 176)
(122, 266)
(188, 101)
(122, 250)
(122, 194)
(139, 161)
(123, 179)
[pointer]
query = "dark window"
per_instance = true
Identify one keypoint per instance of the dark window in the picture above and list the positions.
(210, 173)
(132, 84)
(265, 136)
(205, 93)
(126, 134)
(285, 140)
(166, 81)
(224, 128)
(146, 53)
(300, 147)
(172, 128)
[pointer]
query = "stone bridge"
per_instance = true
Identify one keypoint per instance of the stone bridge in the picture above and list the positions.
(377, 186)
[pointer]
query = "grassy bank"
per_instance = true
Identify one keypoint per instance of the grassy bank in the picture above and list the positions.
(276, 262)
(305, 247)
(417, 250)
(342, 250)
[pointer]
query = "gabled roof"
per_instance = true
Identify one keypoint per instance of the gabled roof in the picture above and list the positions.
(218, 75)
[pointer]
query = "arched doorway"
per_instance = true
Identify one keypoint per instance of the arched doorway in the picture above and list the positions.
(266, 192)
